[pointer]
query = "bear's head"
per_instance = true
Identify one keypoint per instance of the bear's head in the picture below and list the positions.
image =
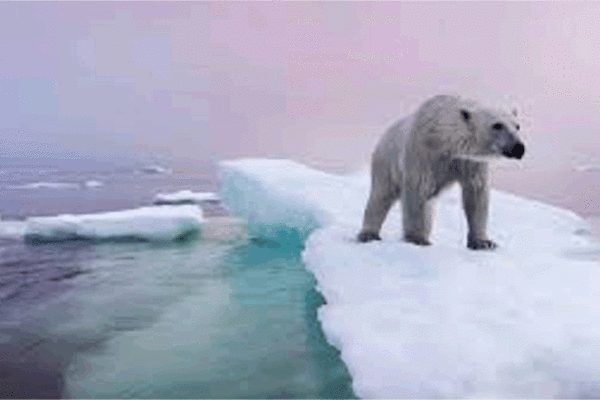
(490, 133)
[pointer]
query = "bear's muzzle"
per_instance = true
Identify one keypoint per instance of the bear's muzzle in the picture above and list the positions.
(515, 151)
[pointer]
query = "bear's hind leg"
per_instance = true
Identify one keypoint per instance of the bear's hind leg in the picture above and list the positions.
(416, 218)
(378, 206)
(383, 195)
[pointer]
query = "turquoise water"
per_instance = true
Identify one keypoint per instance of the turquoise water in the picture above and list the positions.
(222, 321)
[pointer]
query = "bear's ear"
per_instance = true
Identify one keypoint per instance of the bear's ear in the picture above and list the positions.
(465, 115)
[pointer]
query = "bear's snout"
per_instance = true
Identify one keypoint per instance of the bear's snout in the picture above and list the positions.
(516, 151)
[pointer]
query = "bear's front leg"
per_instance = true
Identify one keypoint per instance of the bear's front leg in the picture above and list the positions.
(416, 217)
(475, 196)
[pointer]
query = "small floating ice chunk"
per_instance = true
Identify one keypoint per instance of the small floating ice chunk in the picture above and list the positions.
(155, 169)
(93, 184)
(187, 197)
(211, 203)
(155, 224)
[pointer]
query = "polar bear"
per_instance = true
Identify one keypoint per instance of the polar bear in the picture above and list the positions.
(448, 139)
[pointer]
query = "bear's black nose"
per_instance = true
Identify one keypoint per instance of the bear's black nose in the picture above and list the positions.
(516, 151)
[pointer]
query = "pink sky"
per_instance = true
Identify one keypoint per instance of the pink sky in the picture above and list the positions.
(317, 82)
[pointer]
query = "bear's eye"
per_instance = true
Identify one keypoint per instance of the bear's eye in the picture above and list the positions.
(518, 126)
(498, 126)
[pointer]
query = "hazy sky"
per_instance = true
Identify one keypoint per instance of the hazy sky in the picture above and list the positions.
(313, 81)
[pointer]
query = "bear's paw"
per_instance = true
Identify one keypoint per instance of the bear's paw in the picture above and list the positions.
(421, 241)
(481, 244)
(365, 237)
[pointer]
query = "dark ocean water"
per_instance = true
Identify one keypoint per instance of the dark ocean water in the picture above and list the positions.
(202, 319)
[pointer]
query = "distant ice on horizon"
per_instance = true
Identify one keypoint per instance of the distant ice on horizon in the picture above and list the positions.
(47, 185)
(438, 321)
(585, 163)
(587, 168)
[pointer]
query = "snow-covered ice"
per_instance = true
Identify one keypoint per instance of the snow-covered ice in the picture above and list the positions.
(166, 223)
(442, 320)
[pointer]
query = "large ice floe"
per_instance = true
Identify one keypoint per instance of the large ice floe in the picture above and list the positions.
(164, 223)
(438, 321)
